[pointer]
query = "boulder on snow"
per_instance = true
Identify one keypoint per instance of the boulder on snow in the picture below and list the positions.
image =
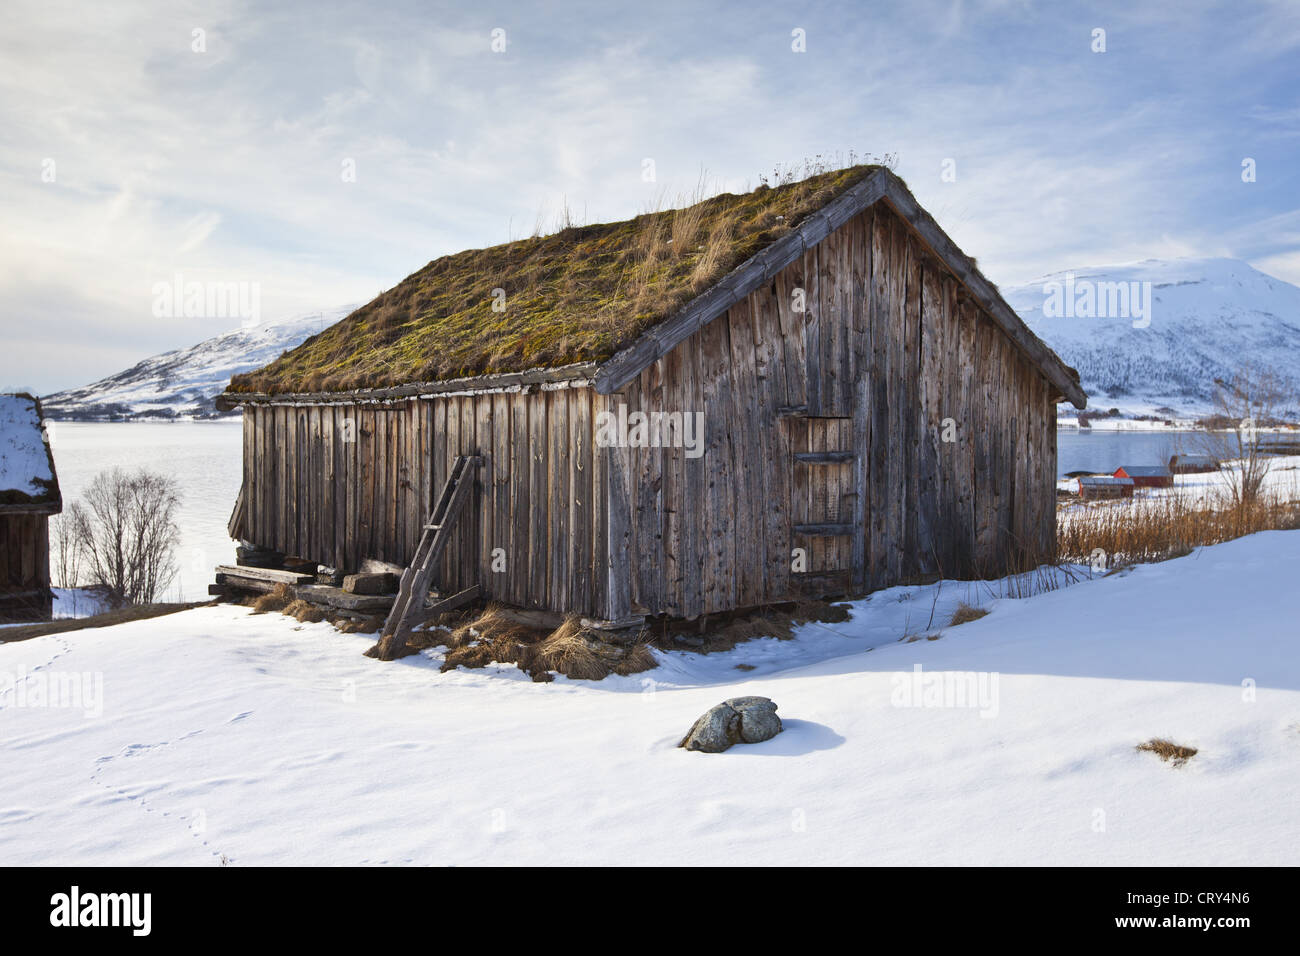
(738, 720)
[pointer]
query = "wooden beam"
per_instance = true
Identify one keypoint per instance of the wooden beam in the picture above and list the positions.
(541, 620)
(237, 515)
(344, 600)
(442, 606)
(264, 574)
(577, 373)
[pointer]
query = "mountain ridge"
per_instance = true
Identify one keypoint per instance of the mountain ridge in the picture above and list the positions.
(1207, 316)
(182, 384)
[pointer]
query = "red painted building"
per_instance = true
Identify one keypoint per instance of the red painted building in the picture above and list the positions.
(1147, 476)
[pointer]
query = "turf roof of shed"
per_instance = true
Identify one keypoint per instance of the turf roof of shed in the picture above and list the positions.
(578, 295)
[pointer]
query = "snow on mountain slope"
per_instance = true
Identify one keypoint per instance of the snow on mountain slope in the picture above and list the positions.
(1207, 315)
(183, 383)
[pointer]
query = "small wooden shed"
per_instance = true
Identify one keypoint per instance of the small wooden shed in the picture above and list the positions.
(1193, 464)
(805, 390)
(1094, 487)
(29, 494)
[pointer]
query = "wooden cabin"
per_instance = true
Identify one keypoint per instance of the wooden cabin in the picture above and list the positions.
(1192, 464)
(29, 494)
(1147, 476)
(809, 391)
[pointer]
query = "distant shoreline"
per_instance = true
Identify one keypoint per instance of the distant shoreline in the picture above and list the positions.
(143, 419)
(1132, 425)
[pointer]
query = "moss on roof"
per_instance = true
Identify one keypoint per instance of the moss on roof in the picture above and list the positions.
(579, 295)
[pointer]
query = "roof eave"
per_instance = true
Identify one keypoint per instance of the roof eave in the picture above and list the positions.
(579, 372)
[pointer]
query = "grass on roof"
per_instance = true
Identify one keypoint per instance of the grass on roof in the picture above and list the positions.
(578, 295)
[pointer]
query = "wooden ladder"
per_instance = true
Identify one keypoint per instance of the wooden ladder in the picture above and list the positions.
(409, 609)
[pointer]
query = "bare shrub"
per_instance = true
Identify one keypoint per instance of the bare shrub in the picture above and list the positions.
(1247, 401)
(129, 533)
(67, 544)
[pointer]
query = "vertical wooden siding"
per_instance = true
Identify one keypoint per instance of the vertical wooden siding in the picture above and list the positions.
(337, 484)
(24, 552)
(889, 343)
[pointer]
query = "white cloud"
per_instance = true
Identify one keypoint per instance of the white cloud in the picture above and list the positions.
(226, 165)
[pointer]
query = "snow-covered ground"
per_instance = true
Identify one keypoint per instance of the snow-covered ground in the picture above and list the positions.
(216, 734)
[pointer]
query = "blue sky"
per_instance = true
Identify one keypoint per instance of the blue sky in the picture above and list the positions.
(225, 165)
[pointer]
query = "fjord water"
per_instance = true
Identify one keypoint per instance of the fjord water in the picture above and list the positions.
(205, 460)
(1104, 451)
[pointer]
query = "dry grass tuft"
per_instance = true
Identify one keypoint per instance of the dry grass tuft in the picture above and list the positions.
(724, 631)
(305, 612)
(639, 658)
(565, 652)
(493, 637)
(1168, 750)
(966, 612)
(490, 637)
(282, 599)
(350, 625)
(276, 600)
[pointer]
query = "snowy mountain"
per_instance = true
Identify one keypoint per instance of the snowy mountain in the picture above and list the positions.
(183, 383)
(1146, 337)
(1185, 322)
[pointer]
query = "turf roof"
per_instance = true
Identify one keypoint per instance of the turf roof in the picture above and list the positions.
(579, 295)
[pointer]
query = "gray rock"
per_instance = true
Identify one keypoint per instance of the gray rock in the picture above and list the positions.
(758, 719)
(738, 720)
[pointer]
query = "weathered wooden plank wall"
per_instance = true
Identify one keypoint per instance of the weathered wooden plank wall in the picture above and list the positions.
(338, 484)
(953, 431)
(24, 551)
